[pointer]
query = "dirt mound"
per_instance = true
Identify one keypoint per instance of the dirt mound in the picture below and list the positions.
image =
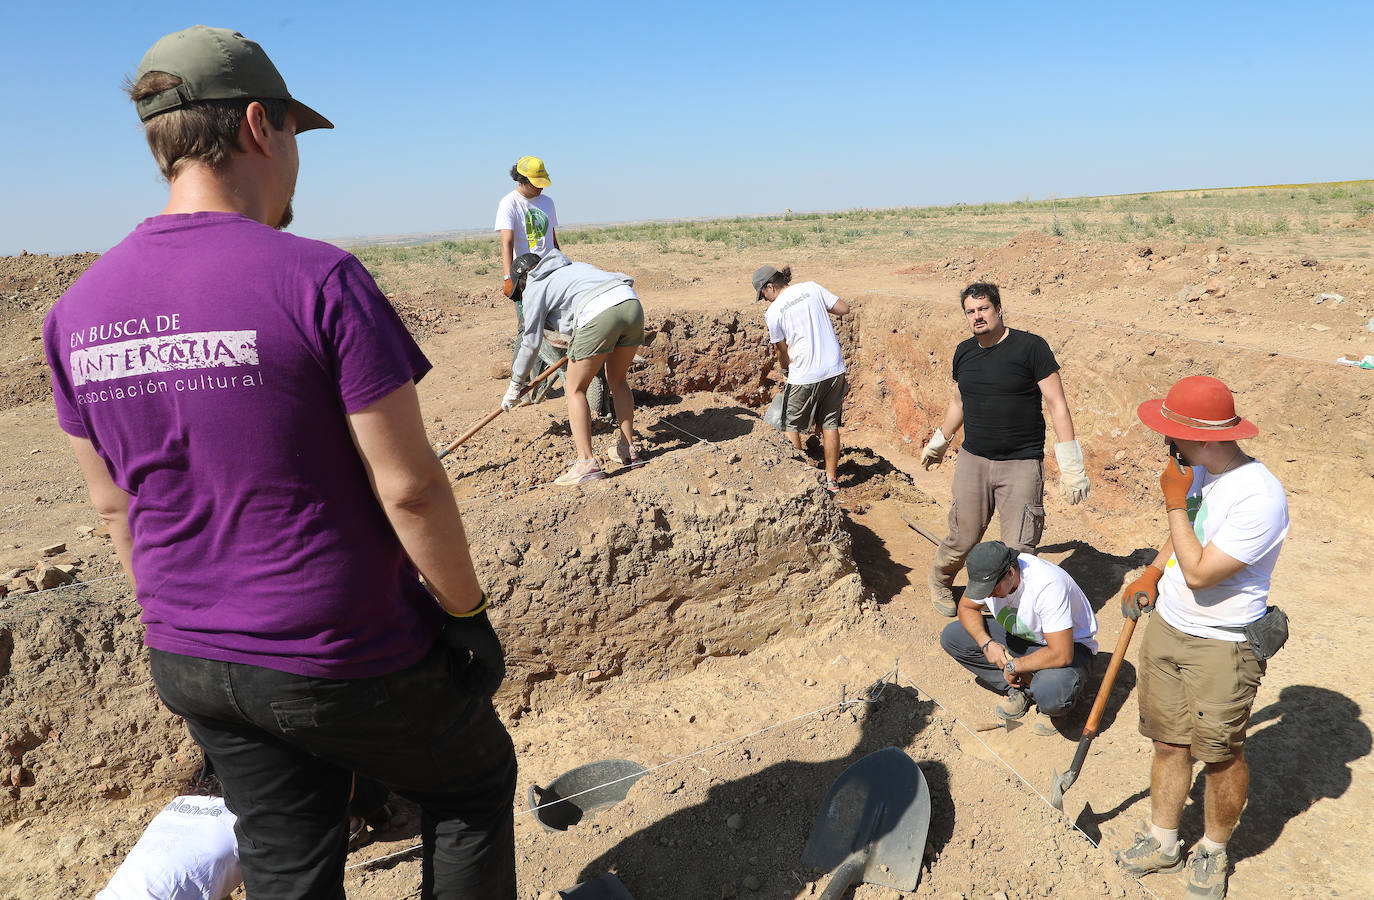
(728, 353)
(29, 285)
(704, 551)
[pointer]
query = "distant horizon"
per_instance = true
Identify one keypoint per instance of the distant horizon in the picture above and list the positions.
(415, 238)
(736, 110)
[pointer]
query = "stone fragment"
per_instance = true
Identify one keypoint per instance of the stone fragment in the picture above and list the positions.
(752, 883)
(50, 577)
(1336, 299)
(54, 549)
(734, 821)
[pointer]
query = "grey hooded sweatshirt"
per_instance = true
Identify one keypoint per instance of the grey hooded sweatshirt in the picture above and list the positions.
(555, 290)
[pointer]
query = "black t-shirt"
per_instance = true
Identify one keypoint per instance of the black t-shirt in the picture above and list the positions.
(1000, 389)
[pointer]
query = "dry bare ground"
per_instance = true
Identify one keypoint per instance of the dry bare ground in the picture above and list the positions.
(701, 614)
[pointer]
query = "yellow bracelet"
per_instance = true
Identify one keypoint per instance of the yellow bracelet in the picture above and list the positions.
(481, 607)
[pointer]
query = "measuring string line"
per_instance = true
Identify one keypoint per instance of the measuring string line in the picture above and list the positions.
(879, 684)
(1009, 767)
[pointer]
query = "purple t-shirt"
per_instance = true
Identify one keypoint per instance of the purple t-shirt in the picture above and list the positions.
(212, 362)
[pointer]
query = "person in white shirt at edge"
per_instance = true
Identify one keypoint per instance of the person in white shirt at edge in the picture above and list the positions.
(602, 313)
(1198, 674)
(1039, 641)
(187, 852)
(1001, 375)
(526, 220)
(809, 356)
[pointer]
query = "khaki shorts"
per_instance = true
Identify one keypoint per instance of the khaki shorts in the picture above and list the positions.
(1196, 691)
(807, 405)
(620, 326)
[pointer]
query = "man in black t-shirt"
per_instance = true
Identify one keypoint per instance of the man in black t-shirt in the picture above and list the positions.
(1001, 376)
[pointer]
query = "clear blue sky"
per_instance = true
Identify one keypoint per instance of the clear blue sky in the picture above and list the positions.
(647, 110)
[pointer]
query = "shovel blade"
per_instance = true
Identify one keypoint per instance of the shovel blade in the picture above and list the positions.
(881, 802)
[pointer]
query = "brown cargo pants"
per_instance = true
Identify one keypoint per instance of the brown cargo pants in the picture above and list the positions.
(1014, 488)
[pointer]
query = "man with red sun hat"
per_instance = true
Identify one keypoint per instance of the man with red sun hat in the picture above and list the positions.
(1204, 650)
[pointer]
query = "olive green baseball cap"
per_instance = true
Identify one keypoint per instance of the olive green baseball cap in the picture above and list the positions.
(217, 64)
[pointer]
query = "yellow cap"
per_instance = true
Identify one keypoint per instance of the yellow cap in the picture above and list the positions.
(532, 167)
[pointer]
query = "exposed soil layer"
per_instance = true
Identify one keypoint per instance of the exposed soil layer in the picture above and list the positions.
(714, 601)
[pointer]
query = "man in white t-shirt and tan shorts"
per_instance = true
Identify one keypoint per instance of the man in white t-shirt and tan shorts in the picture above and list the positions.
(1198, 674)
(809, 356)
(1039, 636)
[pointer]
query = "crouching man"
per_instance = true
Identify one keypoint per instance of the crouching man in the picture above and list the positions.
(1038, 644)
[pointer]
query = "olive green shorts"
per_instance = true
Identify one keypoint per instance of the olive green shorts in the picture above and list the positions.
(1196, 691)
(620, 326)
(807, 406)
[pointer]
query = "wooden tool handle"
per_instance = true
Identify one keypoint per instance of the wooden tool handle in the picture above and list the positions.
(1119, 654)
(463, 438)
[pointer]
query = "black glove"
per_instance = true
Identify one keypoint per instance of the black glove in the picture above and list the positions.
(478, 661)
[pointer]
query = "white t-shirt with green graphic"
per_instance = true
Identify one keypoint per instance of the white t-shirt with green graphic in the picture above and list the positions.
(1046, 600)
(1244, 512)
(533, 221)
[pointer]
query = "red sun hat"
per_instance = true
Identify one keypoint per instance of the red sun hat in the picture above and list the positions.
(1198, 408)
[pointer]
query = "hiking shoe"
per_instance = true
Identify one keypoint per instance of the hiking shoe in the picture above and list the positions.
(1207, 874)
(1014, 705)
(1146, 856)
(1047, 726)
(831, 486)
(623, 453)
(582, 470)
(942, 596)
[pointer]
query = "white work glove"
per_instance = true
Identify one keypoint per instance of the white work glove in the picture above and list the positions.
(934, 453)
(512, 398)
(1073, 480)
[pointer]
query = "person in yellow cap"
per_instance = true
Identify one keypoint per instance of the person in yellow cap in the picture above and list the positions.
(526, 220)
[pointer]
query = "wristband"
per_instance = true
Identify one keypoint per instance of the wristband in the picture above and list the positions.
(481, 607)
(984, 648)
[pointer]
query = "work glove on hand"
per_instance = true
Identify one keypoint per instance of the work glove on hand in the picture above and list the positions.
(934, 452)
(1140, 595)
(1073, 480)
(512, 397)
(1175, 481)
(480, 664)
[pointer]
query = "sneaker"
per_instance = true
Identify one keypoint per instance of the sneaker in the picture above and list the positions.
(1207, 874)
(1146, 856)
(942, 596)
(582, 470)
(1014, 705)
(623, 453)
(831, 486)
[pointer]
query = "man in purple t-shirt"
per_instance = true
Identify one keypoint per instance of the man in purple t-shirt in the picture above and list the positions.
(242, 404)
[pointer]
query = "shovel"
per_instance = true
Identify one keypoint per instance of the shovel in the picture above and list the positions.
(1061, 783)
(463, 438)
(872, 825)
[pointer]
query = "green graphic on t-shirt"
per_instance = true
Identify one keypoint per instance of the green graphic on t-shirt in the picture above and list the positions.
(1197, 514)
(536, 226)
(1008, 620)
